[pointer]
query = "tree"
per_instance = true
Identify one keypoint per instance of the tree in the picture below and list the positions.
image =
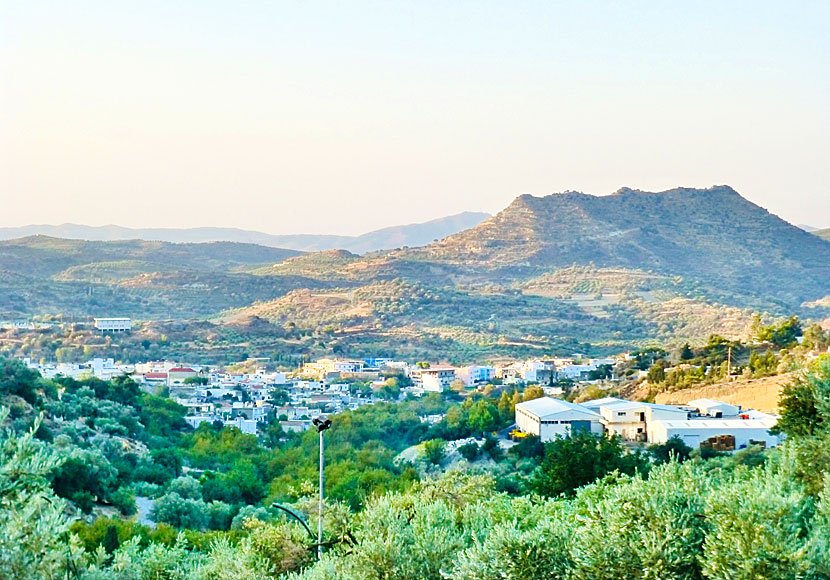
(32, 518)
(469, 450)
(111, 542)
(802, 401)
(435, 450)
(816, 337)
(657, 372)
(686, 352)
(781, 335)
(197, 380)
(505, 406)
(458, 386)
(533, 392)
(673, 449)
(571, 462)
(483, 417)
(179, 512)
(529, 447)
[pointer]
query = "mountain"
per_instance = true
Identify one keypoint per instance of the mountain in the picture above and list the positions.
(713, 235)
(385, 239)
(825, 234)
(557, 274)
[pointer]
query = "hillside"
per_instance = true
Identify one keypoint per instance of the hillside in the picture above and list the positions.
(824, 234)
(48, 256)
(713, 235)
(553, 275)
(417, 234)
(762, 394)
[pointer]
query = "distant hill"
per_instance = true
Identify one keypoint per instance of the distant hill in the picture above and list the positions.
(47, 256)
(825, 234)
(385, 239)
(547, 275)
(714, 235)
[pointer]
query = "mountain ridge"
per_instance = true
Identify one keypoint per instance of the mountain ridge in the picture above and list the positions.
(713, 234)
(415, 234)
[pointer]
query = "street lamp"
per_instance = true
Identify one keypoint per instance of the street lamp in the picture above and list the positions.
(322, 424)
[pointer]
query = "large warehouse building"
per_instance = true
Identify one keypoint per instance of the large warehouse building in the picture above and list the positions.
(700, 423)
(546, 418)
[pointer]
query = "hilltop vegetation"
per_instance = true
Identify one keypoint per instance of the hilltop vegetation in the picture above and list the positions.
(713, 235)
(553, 275)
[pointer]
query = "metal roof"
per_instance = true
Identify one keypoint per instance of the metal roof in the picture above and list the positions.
(545, 406)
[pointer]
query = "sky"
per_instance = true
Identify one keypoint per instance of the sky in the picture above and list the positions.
(344, 117)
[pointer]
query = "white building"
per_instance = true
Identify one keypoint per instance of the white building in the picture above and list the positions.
(475, 375)
(695, 432)
(546, 418)
(196, 420)
(247, 426)
(533, 371)
(716, 409)
(435, 379)
(648, 422)
(113, 324)
(634, 420)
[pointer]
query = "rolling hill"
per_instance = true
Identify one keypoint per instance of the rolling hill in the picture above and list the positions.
(417, 234)
(547, 275)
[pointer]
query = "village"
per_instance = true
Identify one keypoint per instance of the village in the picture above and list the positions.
(248, 395)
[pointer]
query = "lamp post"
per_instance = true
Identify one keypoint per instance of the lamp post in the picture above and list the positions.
(322, 424)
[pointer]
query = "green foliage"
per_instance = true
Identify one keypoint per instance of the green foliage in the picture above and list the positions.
(672, 450)
(805, 403)
(657, 372)
(17, 379)
(469, 451)
(32, 519)
(781, 335)
(532, 392)
(435, 451)
(571, 462)
(530, 447)
(86, 477)
(760, 529)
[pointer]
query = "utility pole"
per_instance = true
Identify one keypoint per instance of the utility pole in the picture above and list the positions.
(322, 424)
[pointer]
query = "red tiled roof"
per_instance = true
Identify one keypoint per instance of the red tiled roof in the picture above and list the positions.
(155, 376)
(182, 370)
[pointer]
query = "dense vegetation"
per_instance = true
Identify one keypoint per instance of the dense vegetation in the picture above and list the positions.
(524, 282)
(573, 508)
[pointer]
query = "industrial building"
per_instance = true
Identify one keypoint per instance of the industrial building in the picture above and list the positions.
(546, 418)
(701, 423)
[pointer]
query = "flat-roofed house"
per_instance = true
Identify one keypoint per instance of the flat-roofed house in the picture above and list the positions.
(118, 324)
(635, 420)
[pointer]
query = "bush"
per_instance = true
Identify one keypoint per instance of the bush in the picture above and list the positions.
(673, 449)
(582, 458)
(179, 512)
(469, 450)
(124, 500)
(435, 450)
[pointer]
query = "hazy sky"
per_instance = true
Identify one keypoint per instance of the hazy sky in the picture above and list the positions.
(343, 117)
